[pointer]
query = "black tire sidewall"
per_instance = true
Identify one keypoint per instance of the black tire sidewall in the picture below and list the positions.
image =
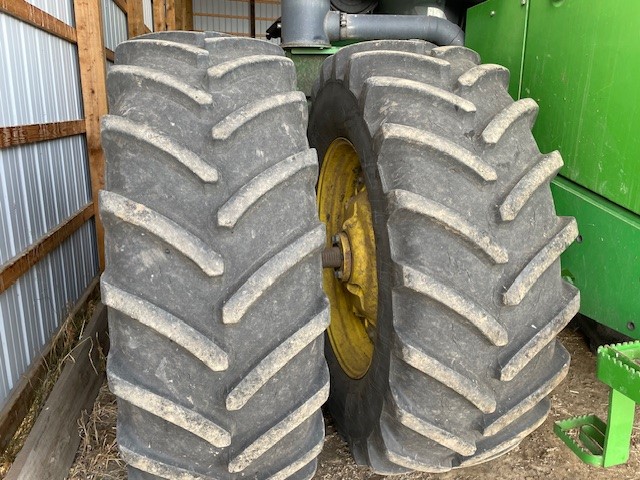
(356, 405)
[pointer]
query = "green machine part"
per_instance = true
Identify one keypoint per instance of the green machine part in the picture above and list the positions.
(580, 60)
(607, 444)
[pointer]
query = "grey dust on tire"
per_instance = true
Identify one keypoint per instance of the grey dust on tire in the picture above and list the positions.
(213, 277)
(448, 361)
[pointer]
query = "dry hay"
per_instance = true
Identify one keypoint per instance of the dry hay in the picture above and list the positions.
(98, 456)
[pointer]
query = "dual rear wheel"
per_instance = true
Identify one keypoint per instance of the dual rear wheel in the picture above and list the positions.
(441, 252)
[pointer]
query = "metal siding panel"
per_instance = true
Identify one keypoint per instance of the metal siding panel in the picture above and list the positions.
(114, 23)
(147, 12)
(32, 309)
(222, 24)
(40, 81)
(61, 9)
(41, 185)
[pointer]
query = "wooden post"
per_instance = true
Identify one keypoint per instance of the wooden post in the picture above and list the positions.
(179, 12)
(252, 18)
(159, 16)
(93, 73)
(135, 18)
(188, 14)
(171, 14)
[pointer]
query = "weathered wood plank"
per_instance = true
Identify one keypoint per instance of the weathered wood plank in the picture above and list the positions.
(23, 393)
(38, 18)
(252, 18)
(52, 444)
(159, 16)
(12, 270)
(93, 77)
(122, 5)
(39, 132)
(179, 11)
(135, 18)
(110, 55)
(171, 14)
(188, 14)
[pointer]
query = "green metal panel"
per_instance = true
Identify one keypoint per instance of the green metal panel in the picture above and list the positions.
(308, 68)
(496, 29)
(605, 265)
(582, 65)
(580, 61)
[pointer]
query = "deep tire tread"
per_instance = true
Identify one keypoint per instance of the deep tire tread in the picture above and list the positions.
(486, 193)
(174, 359)
(159, 406)
(542, 260)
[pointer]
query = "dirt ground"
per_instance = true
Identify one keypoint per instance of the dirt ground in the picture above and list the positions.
(541, 455)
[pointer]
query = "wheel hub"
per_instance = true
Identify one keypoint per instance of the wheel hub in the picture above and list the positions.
(350, 275)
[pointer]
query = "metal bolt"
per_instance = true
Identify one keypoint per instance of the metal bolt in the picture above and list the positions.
(331, 257)
(523, 2)
(493, 13)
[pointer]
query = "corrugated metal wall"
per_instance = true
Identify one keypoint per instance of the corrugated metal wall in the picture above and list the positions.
(266, 14)
(61, 9)
(114, 24)
(42, 184)
(232, 16)
(147, 8)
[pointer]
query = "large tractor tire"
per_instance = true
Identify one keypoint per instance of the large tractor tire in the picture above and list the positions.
(213, 277)
(445, 355)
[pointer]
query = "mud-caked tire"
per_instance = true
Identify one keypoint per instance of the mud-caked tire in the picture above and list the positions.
(468, 244)
(213, 275)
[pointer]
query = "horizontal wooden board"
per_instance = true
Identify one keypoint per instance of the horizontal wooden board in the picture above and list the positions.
(122, 5)
(39, 132)
(11, 271)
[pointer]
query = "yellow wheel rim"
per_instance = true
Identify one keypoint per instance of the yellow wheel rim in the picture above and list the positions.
(352, 288)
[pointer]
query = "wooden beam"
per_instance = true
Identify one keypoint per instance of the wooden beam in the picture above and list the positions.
(159, 16)
(122, 5)
(23, 393)
(93, 76)
(109, 55)
(12, 270)
(252, 18)
(39, 132)
(52, 444)
(171, 14)
(38, 18)
(188, 14)
(179, 9)
(135, 18)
